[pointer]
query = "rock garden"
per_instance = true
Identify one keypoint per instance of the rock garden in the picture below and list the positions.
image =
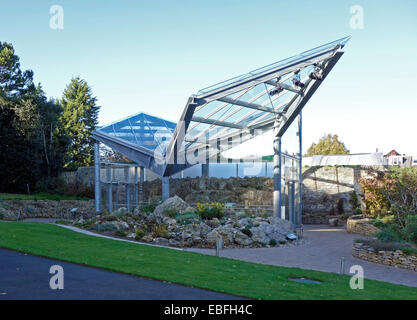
(175, 223)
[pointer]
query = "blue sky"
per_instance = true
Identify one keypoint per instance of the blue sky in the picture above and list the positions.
(150, 56)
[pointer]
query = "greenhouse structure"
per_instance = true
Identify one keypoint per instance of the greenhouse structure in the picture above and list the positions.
(219, 118)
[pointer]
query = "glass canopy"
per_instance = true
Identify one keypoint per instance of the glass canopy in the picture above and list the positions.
(224, 115)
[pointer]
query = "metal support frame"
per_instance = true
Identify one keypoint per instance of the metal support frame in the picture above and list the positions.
(127, 188)
(165, 188)
(109, 189)
(141, 179)
(97, 189)
(135, 187)
(205, 169)
(277, 176)
(300, 170)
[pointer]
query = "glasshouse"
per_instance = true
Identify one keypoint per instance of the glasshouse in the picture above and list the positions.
(217, 119)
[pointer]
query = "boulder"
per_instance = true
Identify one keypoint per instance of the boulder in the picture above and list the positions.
(333, 222)
(119, 212)
(147, 238)
(161, 241)
(258, 235)
(244, 222)
(174, 203)
(131, 235)
(242, 239)
(227, 234)
(211, 237)
(214, 223)
(120, 225)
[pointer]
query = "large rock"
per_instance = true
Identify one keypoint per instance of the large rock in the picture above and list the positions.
(120, 225)
(280, 225)
(174, 203)
(258, 235)
(242, 239)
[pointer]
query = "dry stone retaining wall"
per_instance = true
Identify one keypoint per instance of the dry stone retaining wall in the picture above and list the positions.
(391, 258)
(361, 226)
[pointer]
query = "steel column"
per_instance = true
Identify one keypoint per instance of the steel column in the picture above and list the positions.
(277, 176)
(141, 179)
(97, 189)
(165, 188)
(300, 168)
(127, 188)
(109, 189)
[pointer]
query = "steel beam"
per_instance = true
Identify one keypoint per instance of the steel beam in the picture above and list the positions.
(246, 104)
(217, 122)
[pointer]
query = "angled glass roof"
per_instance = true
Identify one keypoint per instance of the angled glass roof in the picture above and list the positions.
(226, 114)
(143, 130)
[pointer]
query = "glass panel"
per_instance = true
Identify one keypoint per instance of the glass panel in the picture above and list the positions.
(323, 49)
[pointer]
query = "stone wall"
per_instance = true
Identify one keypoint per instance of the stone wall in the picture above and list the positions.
(359, 225)
(391, 258)
(326, 190)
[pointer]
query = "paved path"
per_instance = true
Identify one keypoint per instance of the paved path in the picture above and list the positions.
(323, 250)
(24, 276)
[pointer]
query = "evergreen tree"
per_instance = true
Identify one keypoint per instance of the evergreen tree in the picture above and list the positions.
(27, 117)
(328, 144)
(79, 118)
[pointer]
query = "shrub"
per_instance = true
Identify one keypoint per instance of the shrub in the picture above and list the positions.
(247, 231)
(148, 207)
(172, 213)
(410, 229)
(160, 231)
(140, 233)
(186, 217)
(120, 233)
(272, 242)
(355, 201)
(210, 210)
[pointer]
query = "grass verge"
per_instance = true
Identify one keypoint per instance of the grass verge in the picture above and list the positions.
(38, 196)
(219, 274)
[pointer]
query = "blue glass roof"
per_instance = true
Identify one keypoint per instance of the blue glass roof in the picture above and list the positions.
(143, 130)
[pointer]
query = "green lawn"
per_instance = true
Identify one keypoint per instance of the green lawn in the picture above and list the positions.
(192, 269)
(38, 196)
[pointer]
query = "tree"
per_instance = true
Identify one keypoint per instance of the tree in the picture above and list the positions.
(79, 118)
(328, 144)
(27, 117)
(13, 82)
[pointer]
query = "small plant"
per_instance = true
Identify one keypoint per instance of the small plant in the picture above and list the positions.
(148, 207)
(272, 242)
(247, 231)
(186, 217)
(160, 231)
(210, 210)
(121, 233)
(103, 227)
(140, 233)
(172, 213)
